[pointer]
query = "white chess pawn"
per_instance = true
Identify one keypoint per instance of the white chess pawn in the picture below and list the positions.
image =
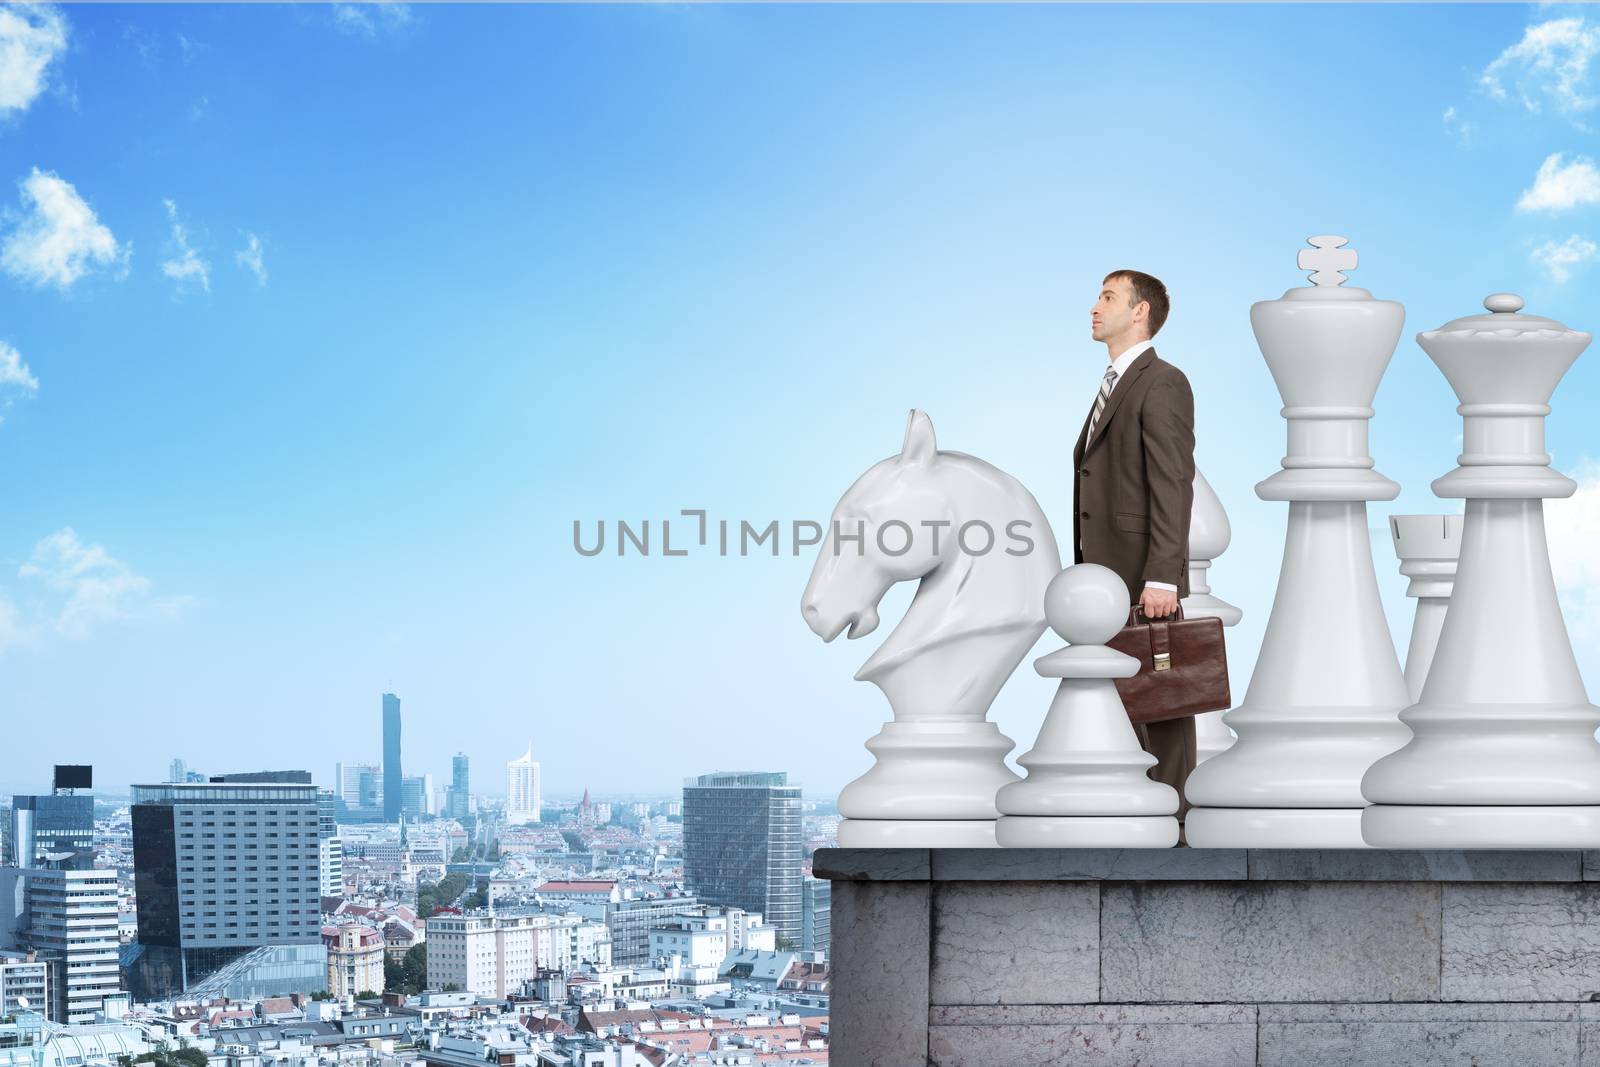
(1428, 546)
(1087, 783)
(1324, 701)
(1503, 753)
(1209, 534)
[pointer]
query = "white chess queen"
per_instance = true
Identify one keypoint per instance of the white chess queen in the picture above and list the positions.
(976, 613)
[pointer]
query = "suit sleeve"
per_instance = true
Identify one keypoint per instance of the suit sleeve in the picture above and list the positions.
(1167, 425)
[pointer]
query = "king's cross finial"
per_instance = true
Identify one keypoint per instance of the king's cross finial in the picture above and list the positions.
(1327, 258)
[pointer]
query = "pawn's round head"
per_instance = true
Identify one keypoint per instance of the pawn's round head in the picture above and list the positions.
(1086, 604)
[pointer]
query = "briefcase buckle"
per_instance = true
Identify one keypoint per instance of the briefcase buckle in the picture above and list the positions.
(1163, 661)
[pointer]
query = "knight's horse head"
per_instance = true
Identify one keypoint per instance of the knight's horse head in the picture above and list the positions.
(887, 507)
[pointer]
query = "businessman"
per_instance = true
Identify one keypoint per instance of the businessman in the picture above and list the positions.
(1133, 483)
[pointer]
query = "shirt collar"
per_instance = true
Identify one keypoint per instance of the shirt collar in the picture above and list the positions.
(1124, 361)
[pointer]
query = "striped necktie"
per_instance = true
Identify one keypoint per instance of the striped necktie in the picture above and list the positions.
(1106, 385)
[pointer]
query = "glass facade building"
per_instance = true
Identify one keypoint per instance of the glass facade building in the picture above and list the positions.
(227, 878)
(54, 831)
(742, 845)
(393, 789)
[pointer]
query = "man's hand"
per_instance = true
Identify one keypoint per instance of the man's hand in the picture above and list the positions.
(1158, 603)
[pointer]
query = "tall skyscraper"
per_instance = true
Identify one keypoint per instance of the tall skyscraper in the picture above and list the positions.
(56, 830)
(226, 873)
(393, 790)
(742, 845)
(460, 788)
(178, 771)
(522, 789)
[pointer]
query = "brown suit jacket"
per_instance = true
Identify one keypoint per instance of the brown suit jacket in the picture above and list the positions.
(1133, 485)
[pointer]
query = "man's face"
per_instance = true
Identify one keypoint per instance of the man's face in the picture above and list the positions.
(1112, 315)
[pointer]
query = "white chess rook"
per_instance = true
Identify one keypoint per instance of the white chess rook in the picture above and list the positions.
(1209, 534)
(979, 608)
(1504, 753)
(1428, 546)
(1323, 702)
(1088, 784)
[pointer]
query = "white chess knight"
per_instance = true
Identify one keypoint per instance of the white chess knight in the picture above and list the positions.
(1428, 546)
(1503, 753)
(1088, 784)
(926, 515)
(1323, 702)
(1209, 534)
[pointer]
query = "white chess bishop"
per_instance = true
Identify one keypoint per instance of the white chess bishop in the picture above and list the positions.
(944, 520)
(1209, 534)
(1087, 783)
(1504, 753)
(1324, 700)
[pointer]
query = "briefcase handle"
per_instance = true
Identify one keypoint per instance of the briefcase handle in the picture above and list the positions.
(1160, 639)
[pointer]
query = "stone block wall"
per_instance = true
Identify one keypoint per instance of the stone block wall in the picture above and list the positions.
(1213, 957)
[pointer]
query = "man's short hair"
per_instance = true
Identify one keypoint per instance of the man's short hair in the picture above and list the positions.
(1146, 287)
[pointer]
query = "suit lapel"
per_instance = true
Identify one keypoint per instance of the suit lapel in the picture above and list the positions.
(1120, 393)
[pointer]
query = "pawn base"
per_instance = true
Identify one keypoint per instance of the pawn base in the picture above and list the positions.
(1467, 826)
(1105, 831)
(1274, 828)
(916, 833)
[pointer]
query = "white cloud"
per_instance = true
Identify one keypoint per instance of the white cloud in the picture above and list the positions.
(14, 372)
(32, 36)
(1559, 258)
(58, 239)
(1551, 60)
(97, 587)
(1458, 127)
(249, 257)
(1562, 186)
(185, 265)
(368, 19)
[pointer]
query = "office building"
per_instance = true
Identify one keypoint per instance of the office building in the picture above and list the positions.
(24, 983)
(393, 791)
(416, 796)
(460, 788)
(630, 922)
(227, 876)
(330, 849)
(178, 771)
(56, 829)
(359, 785)
(522, 790)
(742, 846)
(816, 897)
(72, 925)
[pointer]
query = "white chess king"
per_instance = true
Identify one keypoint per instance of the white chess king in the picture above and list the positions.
(1324, 700)
(1504, 752)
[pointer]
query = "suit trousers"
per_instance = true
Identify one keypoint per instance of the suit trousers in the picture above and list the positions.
(1172, 743)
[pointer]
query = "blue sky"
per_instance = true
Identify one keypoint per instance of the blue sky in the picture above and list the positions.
(323, 324)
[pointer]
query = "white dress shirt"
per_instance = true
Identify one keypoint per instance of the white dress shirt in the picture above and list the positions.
(1121, 365)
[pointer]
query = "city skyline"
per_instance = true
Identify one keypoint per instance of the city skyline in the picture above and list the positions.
(336, 355)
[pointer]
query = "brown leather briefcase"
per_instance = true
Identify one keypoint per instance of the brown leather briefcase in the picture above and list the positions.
(1183, 667)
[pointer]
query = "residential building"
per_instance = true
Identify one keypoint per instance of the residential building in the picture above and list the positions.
(227, 875)
(742, 845)
(522, 790)
(355, 959)
(393, 794)
(24, 983)
(494, 955)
